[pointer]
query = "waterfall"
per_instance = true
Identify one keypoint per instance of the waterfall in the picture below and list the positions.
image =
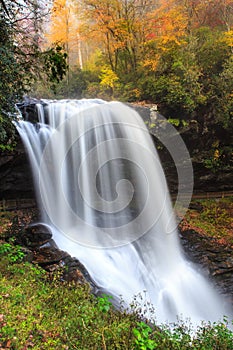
(102, 192)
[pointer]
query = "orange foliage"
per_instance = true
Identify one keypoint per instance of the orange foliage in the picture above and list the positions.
(132, 29)
(63, 27)
(120, 25)
(169, 23)
(58, 31)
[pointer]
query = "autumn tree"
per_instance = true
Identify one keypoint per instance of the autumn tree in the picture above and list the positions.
(209, 13)
(63, 29)
(23, 62)
(119, 26)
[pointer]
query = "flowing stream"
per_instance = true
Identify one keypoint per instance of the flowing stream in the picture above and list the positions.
(102, 192)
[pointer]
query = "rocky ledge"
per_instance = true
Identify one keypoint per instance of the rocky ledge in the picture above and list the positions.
(213, 259)
(39, 248)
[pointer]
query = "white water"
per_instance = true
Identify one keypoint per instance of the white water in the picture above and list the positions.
(102, 191)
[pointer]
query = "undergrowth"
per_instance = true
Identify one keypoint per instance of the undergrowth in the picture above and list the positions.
(37, 313)
(214, 217)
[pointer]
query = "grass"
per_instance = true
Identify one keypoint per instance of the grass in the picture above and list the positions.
(214, 218)
(40, 312)
(37, 313)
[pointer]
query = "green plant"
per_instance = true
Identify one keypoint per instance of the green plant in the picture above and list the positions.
(14, 253)
(43, 315)
(216, 336)
(17, 254)
(5, 248)
(103, 303)
(142, 337)
(41, 311)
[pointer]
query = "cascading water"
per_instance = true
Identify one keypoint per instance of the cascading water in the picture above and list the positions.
(102, 192)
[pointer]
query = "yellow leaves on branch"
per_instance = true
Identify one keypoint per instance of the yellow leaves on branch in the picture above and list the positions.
(228, 38)
(152, 63)
(117, 23)
(108, 78)
(64, 29)
(134, 32)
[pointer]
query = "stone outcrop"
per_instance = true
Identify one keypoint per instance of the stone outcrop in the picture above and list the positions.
(214, 260)
(15, 173)
(40, 249)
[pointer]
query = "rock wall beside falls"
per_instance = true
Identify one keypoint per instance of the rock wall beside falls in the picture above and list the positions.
(15, 173)
(16, 179)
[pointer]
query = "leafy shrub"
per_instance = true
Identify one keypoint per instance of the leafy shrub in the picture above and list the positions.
(13, 252)
(142, 337)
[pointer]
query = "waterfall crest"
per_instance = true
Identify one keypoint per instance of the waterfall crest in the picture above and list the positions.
(102, 191)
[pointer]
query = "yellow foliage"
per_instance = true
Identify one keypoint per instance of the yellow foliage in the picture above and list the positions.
(108, 78)
(64, 29)
(136, 92)
(228, 38)
(63, 25)
(151, 63)
(216, 154)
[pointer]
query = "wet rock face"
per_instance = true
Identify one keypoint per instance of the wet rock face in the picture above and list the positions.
(29, 110)
(15, 173)
(16, 177)
(213, 259)
(40, 249)
(35, 235)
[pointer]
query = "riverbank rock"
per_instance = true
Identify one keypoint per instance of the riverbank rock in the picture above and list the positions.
(213, 259)
(40, 249)
(36, 235)
(59, 263)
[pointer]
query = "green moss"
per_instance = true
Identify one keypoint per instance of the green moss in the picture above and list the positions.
(215, 218)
